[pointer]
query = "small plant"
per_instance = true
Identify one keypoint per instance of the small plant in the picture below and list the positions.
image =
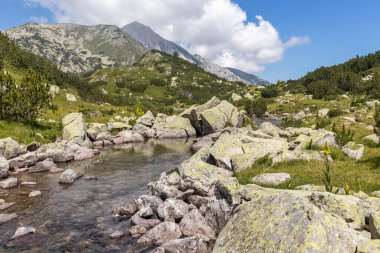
(327, 169)
(139, 111)
(347, 189)
(291, 122)
(376, 117)
(343, 136)
(334, 112)
(321, 122)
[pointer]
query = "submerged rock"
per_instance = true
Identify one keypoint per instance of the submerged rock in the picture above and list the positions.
(4, 167)
(9, 183)
(69, 176)
(5, 217)
(45, 165)
(22, 231)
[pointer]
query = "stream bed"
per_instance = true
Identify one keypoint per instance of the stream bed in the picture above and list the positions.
(77, 217)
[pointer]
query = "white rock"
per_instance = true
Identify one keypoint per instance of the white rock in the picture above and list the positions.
(70, 97)
(22, 231)
(271, 179)
(34, 194)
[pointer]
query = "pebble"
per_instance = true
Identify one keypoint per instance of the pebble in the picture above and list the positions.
(117, 234)
(28, 183)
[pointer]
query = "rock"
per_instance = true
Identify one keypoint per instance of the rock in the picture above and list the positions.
(112, 126)
(8, 183)
(137, 231)
(271, 179)
(302, 155)
(70, 97)
(54, 90)
(145, 131)
(33, 146)
(300, 115)
(353, 151)
(200, 176)
(74, 128)
(194, 223)
(117, 234)
(360, 195)
(221, 116)
(5, 217)
(374, 225)
(160, 234)
(83, 153)
(148, 200)
(59, 152)
(322, 113)
(368, 246)
(145, 212)
(128, 136)
(9, 148)
(201, 143)
(147, 119)
(34, 194)
(174, 127)
(22, 231)
(98, 132)
(89, 177)
(376, 194)
(28, 183)
(56, 170)
(172, 210)
(4, 206)
(194, 244)
(167, 191)
(300, 226)
(197, 200)
(69, 176)
(45, 165)
(146, 223)
(372, 138)
(125, 212)
(372, 104)
(317, 138)
(235, 97)
(4, 167)
(272, 130)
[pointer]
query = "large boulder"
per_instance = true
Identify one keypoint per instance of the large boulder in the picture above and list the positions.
(194, 244)
(145, 131)
(174, 127)
(160, 234)
(74, 128)
(297, 155)
(193, 223)
(128, 136)
(353, 151)
(283, 221)
(221, 116)
(4, 167)
(9, 148)
(272, 130)
(147, 119)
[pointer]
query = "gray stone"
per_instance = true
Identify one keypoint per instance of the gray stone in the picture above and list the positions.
(271, 179)
(4, 167)
(374, 225)
(194, 244)
(160, 234)
(9, 148)
(194, 223)
(172, 210)
(147, 119)
(69, 176)
(128, 136)
(74, 128)
(145, 131)
(9, 183)
(353, 151)
(45, 165)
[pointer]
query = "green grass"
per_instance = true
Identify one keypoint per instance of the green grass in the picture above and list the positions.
(363, 175)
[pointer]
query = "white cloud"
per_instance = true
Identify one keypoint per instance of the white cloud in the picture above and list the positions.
(215, 29)
(40, 19)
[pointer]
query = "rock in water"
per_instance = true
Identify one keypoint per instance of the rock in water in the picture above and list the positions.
(34, 194)
(271, 179)
(9, 148)
(147, 119)
(45, 165)
(22, 231)
(74, 128)
(69, 176)
(194, 244)
(4, 167)
(9, 183)
(284, 222)
(7, 217)
(160, 234)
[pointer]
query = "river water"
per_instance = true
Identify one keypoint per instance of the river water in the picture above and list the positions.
(77, 217)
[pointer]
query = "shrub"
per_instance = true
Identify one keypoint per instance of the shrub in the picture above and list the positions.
(334, 112)
(291, 122)
(269, 91)
(137, 86)
(322, 123)
(255, 107)
(342, 136)
(158, 82)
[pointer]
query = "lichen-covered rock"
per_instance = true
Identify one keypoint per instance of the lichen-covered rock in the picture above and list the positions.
(374, 225)
(221, 116)
(174, 127)
(4, 167)
(136, 220)
(272, 130)
(172, 210)
(74, 128)
(69, 176)
(128, 136)
(353, 151)
(160, 234)
(368, 246)
(322, 113)
(374, 138)
(300, 115)
(235, 97)
(201, 143)
(284, 222)
(9, 148)
(125, 212)
(271, 179)
(145, 131)
(194, 244)
(98, 132)
(147, 119)
(194, 223)
(224, 148)
(317, 138)
(302, 155)
(200, 176)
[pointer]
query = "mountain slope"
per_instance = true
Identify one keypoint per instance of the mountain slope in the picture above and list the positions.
(151, 40)
(77, 48)
(253, 79)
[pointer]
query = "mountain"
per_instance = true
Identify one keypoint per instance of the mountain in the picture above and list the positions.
(250, 78)
(151, 40)
(77, 48)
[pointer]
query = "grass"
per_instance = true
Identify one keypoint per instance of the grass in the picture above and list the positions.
(362, 175)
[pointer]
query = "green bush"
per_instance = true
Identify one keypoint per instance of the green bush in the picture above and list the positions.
(255, 107)
(322, 123)
(291, 122)
(269, 91)
(334, 112)
(137, 86)
(158, 82)
(342, 136)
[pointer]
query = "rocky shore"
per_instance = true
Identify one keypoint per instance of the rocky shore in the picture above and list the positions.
(199, 206)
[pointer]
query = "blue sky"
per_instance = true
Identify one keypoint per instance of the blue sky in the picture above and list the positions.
(338, 29)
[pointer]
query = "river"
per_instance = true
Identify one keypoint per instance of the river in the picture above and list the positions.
(77, 217)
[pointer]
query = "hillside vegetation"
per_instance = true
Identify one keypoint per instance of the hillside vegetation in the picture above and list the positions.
(360, 75)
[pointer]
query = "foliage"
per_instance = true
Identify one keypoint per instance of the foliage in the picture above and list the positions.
(327, 168)
(23, 101)
(248, 122)
(255, 107)
(322, 122)
(138, 111)
(342, 136)
(291, 122)
(269, 91)
(334, 112)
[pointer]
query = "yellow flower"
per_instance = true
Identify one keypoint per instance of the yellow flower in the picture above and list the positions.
(326, 149)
